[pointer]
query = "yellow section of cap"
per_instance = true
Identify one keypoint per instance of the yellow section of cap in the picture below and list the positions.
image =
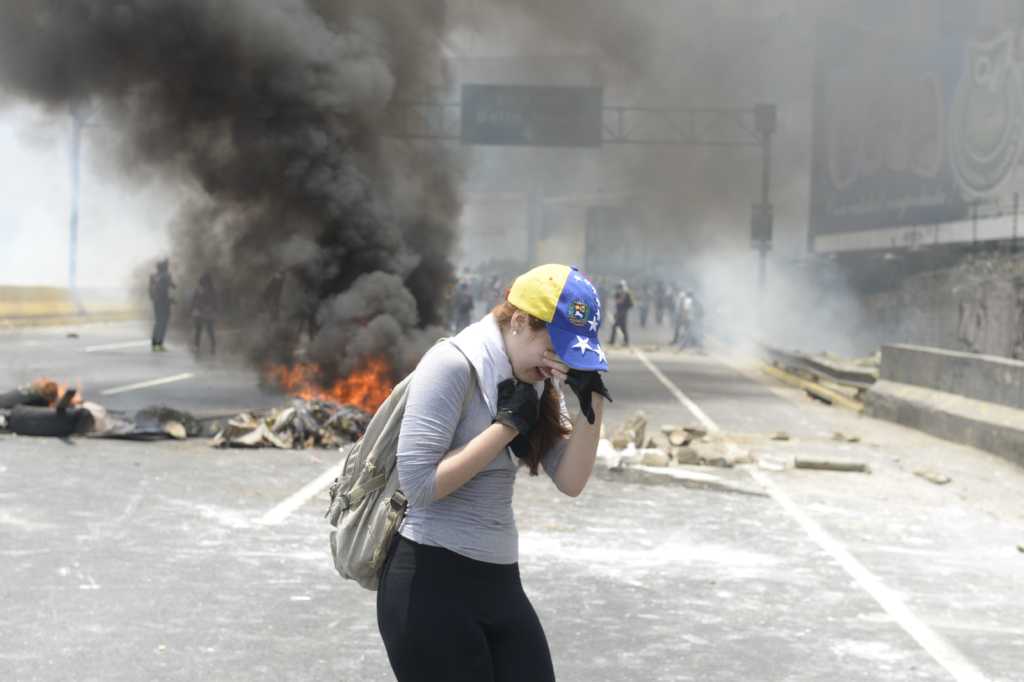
(536, 292)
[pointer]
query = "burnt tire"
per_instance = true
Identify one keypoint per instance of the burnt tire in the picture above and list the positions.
(44, 421)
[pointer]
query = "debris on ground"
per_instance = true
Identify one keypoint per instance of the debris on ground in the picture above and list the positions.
(303, 424)
(780, 435)
(156, 422)
(933, 476)
(831, 464)
(632, 431)
(844, 438)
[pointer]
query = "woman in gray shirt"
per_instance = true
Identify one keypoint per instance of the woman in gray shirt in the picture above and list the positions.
(450, 605)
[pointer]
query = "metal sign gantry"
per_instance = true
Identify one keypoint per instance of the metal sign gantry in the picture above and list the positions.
(708, 127)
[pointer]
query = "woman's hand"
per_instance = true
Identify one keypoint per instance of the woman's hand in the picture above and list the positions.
(553, 368)
(518, 406)
(583, 384)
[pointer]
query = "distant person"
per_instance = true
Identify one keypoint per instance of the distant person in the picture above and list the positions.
(204, 313)
(661, 302)
(463, 306)
(272, 295)
(623, 301)
(644, 304)
(160, 285)
(687, 312)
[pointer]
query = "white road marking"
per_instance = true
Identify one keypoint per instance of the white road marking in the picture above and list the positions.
(711, 426)
(299, 498)
(117, 346)
(148, 384)
(938, 647)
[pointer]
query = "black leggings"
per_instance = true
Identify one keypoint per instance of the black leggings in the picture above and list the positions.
(447, 618)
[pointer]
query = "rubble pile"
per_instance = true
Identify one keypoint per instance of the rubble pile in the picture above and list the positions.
(303, 424)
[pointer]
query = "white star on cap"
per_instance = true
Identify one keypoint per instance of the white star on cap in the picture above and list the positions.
(582, 344)
(593, 325)
(600, 354)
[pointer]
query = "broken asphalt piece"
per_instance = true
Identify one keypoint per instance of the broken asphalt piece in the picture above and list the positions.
(933, 476)
(831, 465)
(632, 431)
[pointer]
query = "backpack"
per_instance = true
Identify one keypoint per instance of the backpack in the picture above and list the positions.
(366, 505)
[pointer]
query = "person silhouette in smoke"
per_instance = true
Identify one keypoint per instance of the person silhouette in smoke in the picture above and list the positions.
(160, 285)
(204, 313)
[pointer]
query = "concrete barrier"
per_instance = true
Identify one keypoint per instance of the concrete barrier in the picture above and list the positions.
(23, 306)
(976, 400)
(989, 378)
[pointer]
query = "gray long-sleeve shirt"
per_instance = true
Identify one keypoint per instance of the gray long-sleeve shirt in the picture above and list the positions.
(475, 520)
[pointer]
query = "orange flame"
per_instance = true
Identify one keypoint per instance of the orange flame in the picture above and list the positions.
(365, 389)
(52, 391)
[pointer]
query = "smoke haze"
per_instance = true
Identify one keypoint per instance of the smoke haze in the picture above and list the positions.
(270, 114)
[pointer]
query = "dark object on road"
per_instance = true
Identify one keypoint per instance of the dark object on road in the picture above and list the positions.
(156, 422)
(831, 465)
(59, 422)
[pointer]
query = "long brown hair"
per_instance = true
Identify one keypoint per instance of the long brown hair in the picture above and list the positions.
(550, 427)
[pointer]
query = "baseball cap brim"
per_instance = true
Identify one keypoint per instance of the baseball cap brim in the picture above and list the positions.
(577, 349)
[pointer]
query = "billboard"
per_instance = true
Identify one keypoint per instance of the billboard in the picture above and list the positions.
(527, 115)
(918, 120)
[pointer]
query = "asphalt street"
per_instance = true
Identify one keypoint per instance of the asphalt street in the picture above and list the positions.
(162, 561)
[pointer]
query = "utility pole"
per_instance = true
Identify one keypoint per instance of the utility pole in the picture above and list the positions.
(80, 115)
(762, 216)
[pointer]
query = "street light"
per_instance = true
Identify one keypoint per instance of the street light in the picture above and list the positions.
(81, 113)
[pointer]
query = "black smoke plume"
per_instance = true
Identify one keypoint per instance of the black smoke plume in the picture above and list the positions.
(274, 114)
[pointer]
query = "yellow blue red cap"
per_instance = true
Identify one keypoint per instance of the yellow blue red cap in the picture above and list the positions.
(561, 296)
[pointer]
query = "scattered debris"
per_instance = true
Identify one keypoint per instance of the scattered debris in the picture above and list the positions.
(304, 424)
(685, 455)
(831, 464)
(654, 457)
(780, 435)
(933, 476)
(632, 431)
(842, 437)
(1020, 548)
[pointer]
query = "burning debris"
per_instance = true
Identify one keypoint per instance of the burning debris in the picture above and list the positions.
(304, 424)
(45, 408)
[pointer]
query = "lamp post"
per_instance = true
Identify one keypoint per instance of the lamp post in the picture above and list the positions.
(81, 112)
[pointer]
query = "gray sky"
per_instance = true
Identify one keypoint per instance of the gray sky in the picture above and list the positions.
(121, 222)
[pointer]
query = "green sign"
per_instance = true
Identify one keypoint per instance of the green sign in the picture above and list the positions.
(526, 115)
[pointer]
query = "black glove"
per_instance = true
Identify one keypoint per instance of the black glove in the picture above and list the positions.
(584, 383)
(518, 406)
(520, 445)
